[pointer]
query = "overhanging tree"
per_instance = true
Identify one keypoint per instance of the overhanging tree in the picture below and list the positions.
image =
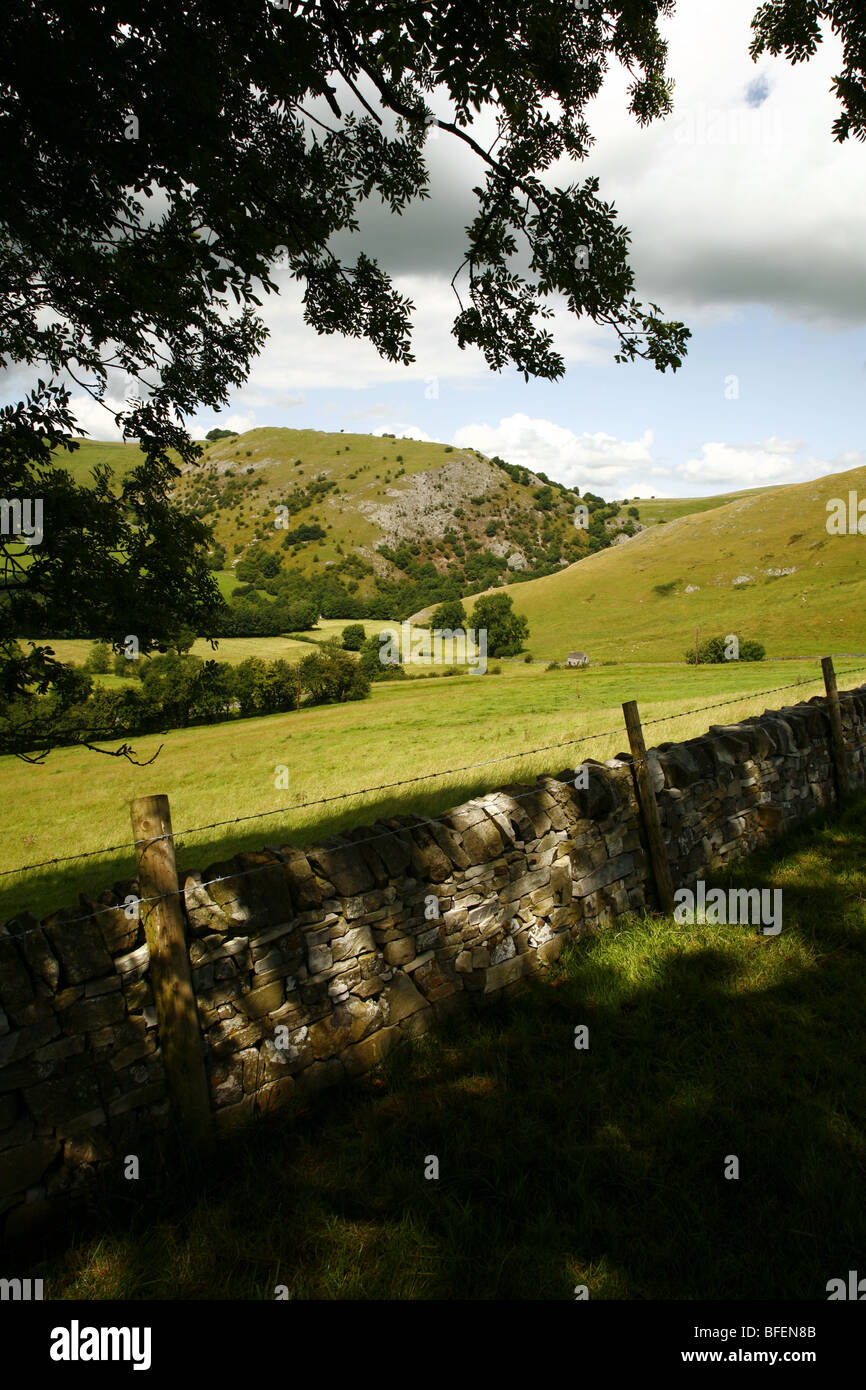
(158, 159)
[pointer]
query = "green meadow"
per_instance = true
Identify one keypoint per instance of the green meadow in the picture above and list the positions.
(237, 649)
(420, 728)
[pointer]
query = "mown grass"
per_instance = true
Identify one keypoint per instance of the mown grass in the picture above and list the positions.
(560, 1167)
(419, 728)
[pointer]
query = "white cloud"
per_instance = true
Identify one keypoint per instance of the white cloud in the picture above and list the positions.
(95, 420)
(583, 460)
(773, 445)
(746, 465)
(241, 423)
(297, 358)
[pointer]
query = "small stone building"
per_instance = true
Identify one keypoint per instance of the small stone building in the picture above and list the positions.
(577, 659)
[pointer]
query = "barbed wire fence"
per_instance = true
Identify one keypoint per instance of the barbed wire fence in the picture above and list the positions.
(417, 821)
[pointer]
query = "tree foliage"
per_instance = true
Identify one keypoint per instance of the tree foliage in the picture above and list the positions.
(223, 141)
(450, 616)
(507, 631)
(715, 651)
(162, 163)
(793, 28)
(353, 637)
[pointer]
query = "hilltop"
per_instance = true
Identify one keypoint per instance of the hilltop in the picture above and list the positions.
(762, 566)
(372, 526)
(661, 509)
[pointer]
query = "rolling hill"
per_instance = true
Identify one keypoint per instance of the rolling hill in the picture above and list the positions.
(763, 566)
(656, 509)
(383, 519)
(352, 518)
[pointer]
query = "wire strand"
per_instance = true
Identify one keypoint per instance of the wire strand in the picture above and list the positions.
(410, 781)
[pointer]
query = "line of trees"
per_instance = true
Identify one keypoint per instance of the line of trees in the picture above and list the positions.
(175, 690)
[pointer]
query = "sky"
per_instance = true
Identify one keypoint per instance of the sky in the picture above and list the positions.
(747, 221)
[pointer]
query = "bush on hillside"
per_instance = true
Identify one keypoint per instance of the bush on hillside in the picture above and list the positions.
(712, 652)
(450, 616)
(331, 675)
(506, 630)
(373, 667)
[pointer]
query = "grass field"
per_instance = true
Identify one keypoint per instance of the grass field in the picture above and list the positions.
(558, 1167)
(237, 649)
(423, 728)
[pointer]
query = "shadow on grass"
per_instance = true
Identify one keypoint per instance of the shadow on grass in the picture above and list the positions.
(47, 890)
(559, 1166)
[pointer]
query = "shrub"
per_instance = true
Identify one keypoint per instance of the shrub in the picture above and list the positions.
(750, 650)
(98, 659)
(450, 616)
(552, 666)
(353, 637)
(712, 652)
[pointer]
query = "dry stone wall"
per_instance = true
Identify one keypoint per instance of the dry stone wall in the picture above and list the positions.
(309, 965)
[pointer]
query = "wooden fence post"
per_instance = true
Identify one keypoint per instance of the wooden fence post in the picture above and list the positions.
(836, 739)
(176, 1014)
(649, 807)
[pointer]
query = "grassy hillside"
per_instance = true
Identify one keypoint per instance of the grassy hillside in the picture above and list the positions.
(369, 512)
(119, 457)
(655, 509)
(721, 571)
(385, 512)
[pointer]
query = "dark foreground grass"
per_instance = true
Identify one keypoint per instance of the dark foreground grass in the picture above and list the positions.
(561, 1167)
